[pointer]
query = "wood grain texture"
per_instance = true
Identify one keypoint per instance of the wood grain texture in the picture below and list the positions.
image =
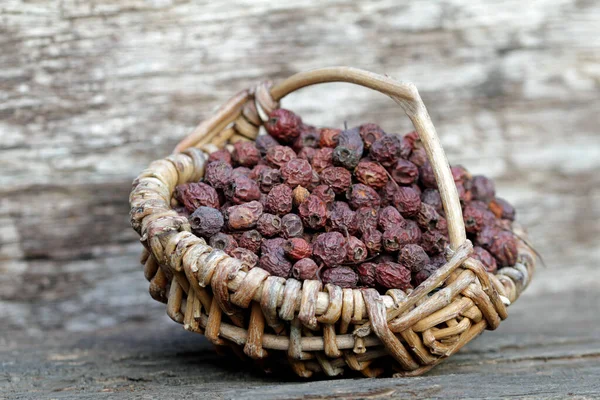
(91, 92)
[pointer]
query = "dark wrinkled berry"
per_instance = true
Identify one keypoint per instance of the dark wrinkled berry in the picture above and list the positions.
(427, 177)
(424, 273)
(434, 242)
(242, 190)
(502, 209)
(373, 240)
(413, 257)
(404, 172)
(268, 178)
(473, 217)
(351, 140)
(291, 226)
(206, 221)
(251, 240)
(418, 157)
(386, 150)
(305, 269)
(397, 236)
(388, 192)
(391, 275)
(488, 261)
(257, 170)
(268, 225)
(367, 274)
(361, 195)
(343, 277)
(407, 201)
(409, 141)
(460, 174)
(299, 194)
(297, 248)
(264, 143)
(244, 216)
(241, 171)
(297, 172)
(274, 245)
(438, 260)
(309, 137)
(371, 174)
(315, 181)
(279, 155)
(283, 125)
(357, 250)
(275, 264)
(218, 174)
(366, 219)
(369, 133)
(464, 195)
(483, 188)
(220, 155)
(193, 195)
(330, 248)
(313, 212)
(307, 153)
(322, 159)
(390, 217)
(504, 248)
(485, 237)
(248, 259)
(433, 198)
(342, 218)
(329, 137)
(338, 178)
(223, 241)
(345, 157)
(279, 200)
(245, 154)
(325, 193)
(428, 218)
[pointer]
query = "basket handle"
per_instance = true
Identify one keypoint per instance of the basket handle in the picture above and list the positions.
(407, 96)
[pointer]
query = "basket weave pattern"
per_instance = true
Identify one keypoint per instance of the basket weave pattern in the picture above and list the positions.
(310, 327)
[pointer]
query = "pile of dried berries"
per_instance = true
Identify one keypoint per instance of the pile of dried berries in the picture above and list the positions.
(355, 207)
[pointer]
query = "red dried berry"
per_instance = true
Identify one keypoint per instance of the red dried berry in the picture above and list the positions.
(242, 189)
(338, 178)
(483, 188)
(330, 248)
(388, 192)
(241, 171)
(389, 217)
(279, 200)
(275, 264)
(504, 248)
(397, 236)
(460, 174)
(313, 212)
(418, 157)
(424, 273)
(283, 125)
(404, 172)
(193, 195)
(218, 174)
(307, 153)
(264, 143)
(206, 221)
(413, 257)
(244, 216)
(407, 201)
(386, 150)
(366, 219)
(257, 170)
(322, 159)
(474, 217)
(269, 225)
(343, 277)
(297, 172)
(433, 198)
(342, 218)
(250, 240)
(409, 141)
(316, 181)
(291, 226)
(371, 174)
(361, 195)
(248, 259)
(245, 154)
(274, 245)
(433, 242)
(309, 137)
(268, 178)
(428, 218)
(329, 137)
(297, 248)
(349, 150)
(427, 177)
(325, 193)
(279, 155)
(220, 155)
(223, 241)
(502, 209)
(369, 133)
(488, 261)
(485, 237)
(357, 250)
(305, 269)
(373, 240)
(391, 275)
(464, 195)
(367, 274)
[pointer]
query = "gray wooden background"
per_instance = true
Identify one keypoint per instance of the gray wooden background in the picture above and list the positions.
(92, 91)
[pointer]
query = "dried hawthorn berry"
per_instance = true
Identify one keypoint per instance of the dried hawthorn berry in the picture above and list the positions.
(418, 157)
(275, 264)
(299, 194)
(366, 218)
(428, 218)
(206, 221)
(220, 155)
(305, 269)
(329, 137)
(386, 150)
(361, 195)
(245, 154)
(404, 172)
(279, 155)
(223, 241)
(438, 260)
(397, 237)
(316, 181)
(291, 226)
(483, 188)
(488, 261)
(433, 242)
(433, 198)
(485, 237)
(389, 217)
(388, 192)
(257, 170)
(274, 245)
(502, 209)
(371, 174)
(473, 217)
(283, 125)
(242, 190)
(373, 240)
(297, 172)
(460, 174)
(504, 248)
(264, 143)
(330, 248)
(218, 174)
(369, 133)
(349, 149)
(366, 274)
(268, 225)
(244, 216)
(409, 142)
(391, 275)
(338, 178)
(427, 177)
(307, 153)
(268, 178)
(342, 218)
(279, 200)
(357, 250)
(425, 273)
(250, 240)
(322, 159)
(413, 257)
(241, 171)
(248, 259)
(343, 277)
(325, 193)
(193, 195)
(407, 201)
(297, 248)
(309, 137)
(313, 212)
(464, 195)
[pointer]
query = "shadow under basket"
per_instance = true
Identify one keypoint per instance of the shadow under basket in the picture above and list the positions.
(310, 327)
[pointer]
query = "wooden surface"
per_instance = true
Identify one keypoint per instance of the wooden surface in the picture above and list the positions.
(91, 92)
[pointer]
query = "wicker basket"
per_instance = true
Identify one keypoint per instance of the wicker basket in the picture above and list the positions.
(304, 325)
